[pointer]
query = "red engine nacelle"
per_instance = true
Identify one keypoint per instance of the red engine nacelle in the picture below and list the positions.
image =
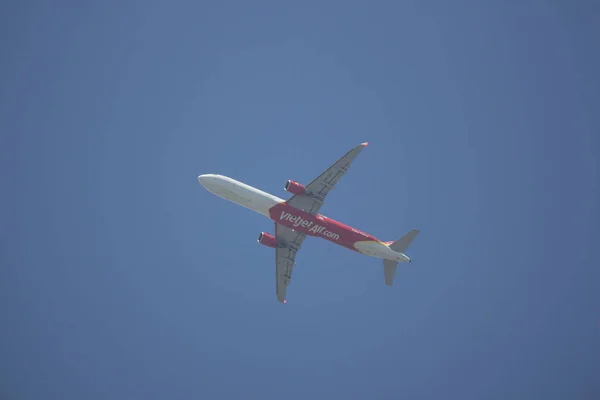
(267, 240)
(294, 187)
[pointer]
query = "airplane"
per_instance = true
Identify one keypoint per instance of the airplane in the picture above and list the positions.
(299, 217)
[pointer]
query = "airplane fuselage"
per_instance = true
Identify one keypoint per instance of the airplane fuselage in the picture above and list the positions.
(282, 213)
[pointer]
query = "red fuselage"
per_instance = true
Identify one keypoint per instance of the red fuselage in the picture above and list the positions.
(318, 226)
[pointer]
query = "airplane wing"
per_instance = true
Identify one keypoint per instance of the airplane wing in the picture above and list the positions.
(285, 256)
(316, 191)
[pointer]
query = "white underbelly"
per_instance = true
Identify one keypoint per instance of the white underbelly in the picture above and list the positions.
(242, 194)
(380, 250)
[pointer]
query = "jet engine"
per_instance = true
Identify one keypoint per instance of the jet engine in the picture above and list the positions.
(267, 240)
(294, 187)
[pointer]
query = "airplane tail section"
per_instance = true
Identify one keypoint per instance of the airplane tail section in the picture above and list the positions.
(400, 246)
(389, 270)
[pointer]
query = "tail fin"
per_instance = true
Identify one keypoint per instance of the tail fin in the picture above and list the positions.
(400, 245)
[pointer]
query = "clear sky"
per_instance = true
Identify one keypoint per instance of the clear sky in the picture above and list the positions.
(122, 278)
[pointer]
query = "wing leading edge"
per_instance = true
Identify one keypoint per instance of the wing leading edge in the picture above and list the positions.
(317, 190)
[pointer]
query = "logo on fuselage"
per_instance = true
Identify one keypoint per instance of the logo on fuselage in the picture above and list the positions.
(316, 229)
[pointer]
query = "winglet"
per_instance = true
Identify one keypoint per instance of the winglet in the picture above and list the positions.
(365, 144)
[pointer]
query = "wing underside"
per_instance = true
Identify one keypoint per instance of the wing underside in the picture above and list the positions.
(310, 202)
(317, 190)
(285, 257)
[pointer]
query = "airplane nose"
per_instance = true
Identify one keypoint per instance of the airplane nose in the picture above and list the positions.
(204, 179)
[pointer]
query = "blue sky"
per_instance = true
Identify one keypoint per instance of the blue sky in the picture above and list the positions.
(122, 278)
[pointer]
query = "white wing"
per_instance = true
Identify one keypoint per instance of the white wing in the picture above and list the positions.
(317, 190)
(285, 257)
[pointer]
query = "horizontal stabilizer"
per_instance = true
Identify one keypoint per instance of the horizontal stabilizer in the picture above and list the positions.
(389, 270)
(402, 244)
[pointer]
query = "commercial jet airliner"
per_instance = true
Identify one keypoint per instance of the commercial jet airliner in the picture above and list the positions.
(299, 217)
